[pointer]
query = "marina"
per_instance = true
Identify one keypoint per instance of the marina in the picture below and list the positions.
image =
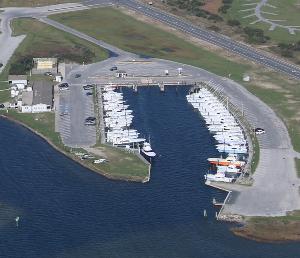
(67, 211)
(117, 124)
(230, 139)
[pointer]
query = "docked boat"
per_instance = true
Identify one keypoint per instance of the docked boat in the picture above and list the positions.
(230, 160)
(218, 177)
(147, 152)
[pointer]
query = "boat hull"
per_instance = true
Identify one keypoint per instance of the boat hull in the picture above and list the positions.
(150, 159)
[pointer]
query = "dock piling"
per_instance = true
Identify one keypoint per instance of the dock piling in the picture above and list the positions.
(161, 86)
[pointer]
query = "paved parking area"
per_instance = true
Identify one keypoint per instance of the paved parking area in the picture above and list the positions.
(74, 107)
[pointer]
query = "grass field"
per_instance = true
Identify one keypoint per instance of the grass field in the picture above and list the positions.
(269, 229)
(297, 161)
(129, 34)
(42, 123)
(45, 41)
(33, 3)
(122, 164)
(287, 10)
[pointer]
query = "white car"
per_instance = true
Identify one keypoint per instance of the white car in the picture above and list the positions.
(259, 131)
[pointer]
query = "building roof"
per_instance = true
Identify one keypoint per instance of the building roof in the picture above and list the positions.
(45, 59)
(42, 92)
(120, 71)
(27, 97)
(17, 77)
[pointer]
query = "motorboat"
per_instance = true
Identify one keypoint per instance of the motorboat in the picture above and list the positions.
(147, 151)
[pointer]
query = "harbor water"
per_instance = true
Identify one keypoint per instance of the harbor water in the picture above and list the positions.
(65, 210)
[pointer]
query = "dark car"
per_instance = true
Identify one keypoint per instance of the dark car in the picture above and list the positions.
(48, 74)
(90, 118)
(77, 75)
(63, 86)
(2, 106)
(114, 68)
(1, 64)
(90, 123)
(89, 93)
(88, 87)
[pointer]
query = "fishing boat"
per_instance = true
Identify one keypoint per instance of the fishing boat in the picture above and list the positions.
(218, 177)
(230, 160)
(147, 152)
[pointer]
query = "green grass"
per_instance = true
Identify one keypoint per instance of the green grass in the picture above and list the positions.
(287, 10)
(256, 154)
(122, 164)
(127, 33)
(42, 123)
(4, 94)
(285, 101)
(33, 3)
(297, 161)
(292, 216)
(45, 41)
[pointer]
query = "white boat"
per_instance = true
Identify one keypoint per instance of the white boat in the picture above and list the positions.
(98, 161)
(218, 177)
(147, 151)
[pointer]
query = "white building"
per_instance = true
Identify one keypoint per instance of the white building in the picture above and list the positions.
(121, 74)
(45, 63)
(40, 99)
(20, 81)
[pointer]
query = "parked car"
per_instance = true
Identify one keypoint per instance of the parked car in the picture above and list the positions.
(64, 113)
(1, 64)
(90, 120)
(2, 106)
(48, 74)
(88, 87)
(90, 123)
(77, 75)
(89, 93)
(63, 86)
(259, 130)
(114, 68)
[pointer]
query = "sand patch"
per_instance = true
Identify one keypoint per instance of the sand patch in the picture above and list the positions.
(212, 6)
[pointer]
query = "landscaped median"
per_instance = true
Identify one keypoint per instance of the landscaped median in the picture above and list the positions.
(119, 165)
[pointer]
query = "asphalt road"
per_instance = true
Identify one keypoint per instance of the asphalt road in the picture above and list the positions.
(211, 37)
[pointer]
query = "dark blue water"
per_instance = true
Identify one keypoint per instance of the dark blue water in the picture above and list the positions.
(68, 211)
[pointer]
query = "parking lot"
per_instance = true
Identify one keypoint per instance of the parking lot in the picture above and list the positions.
(74, 107)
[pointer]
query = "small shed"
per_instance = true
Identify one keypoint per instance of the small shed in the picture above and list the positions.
(58, 77)
(121, 74)
(44, 63)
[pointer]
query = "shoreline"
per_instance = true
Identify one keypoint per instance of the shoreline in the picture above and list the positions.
(71, 157)
(275, 232)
